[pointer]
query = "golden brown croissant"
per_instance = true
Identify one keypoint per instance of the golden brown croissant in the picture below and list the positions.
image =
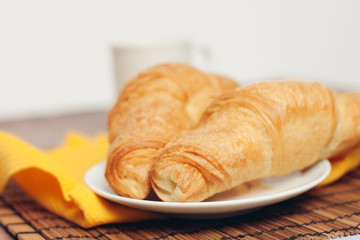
(152, 109)
(264, 129)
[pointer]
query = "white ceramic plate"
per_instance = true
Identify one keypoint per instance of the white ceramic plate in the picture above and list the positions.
(240, 200)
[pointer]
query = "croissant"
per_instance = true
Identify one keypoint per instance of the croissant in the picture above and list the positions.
(152, 109)
(261, 130)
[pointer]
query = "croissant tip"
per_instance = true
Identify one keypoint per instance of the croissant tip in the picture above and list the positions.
(130, 188)
(178, 182)
(127, 186)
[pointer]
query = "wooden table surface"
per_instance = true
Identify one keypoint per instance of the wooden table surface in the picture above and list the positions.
(322, 213)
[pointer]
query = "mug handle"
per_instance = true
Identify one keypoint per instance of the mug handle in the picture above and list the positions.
(201, 56)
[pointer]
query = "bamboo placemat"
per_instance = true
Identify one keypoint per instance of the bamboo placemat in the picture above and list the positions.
(322, 213)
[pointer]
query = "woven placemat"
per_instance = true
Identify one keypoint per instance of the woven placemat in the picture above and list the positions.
(322, 213)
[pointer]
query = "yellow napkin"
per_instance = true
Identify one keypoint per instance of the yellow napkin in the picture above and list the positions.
(55, 178)
(341, 166)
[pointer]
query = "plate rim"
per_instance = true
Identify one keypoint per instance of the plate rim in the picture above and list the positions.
(257, 201)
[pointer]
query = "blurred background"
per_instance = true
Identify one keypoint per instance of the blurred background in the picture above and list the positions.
(55, 56)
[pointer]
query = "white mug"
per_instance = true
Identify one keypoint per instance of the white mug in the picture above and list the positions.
(130, 59)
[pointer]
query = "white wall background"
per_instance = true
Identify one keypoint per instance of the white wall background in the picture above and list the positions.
(55, 55)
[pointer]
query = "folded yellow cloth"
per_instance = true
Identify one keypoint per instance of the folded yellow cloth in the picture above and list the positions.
(54, 178)
(342, 165)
